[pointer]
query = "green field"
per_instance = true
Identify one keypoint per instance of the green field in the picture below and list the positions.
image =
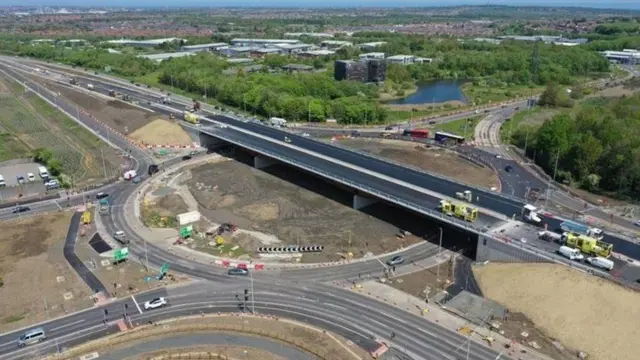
(462, 127)
(27, 123)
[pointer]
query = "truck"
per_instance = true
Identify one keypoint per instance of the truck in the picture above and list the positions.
(103, 207)
(191, 117)
(588, 245)
(466, 195)
(552, 236)
(459, 210)
(274, 121)
(196, 105)
(530, 214)
(581, 229)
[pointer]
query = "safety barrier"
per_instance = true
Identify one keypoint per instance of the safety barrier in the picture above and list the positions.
(238, 265)
(290, 249)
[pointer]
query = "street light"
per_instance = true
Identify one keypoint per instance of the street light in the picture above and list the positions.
(438, 266)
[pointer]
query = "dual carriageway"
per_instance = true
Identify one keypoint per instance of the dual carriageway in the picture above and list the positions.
(371, 176)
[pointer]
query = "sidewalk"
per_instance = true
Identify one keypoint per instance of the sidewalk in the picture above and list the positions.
(438, 315)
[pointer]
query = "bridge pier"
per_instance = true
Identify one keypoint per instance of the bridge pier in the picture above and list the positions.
(261, 162)
(360, 201)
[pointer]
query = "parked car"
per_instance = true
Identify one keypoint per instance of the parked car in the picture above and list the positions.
(155, 303)
(31, 177)
(389, 128)
(20, 179)
(396, 260)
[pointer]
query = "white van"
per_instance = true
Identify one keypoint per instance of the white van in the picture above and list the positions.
(570, 253)
(2, 183)
(42, 171)
(601, 262)
(32, 337)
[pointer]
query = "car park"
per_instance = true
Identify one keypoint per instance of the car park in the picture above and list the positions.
(155, 303)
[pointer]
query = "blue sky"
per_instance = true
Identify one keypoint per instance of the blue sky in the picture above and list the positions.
(621, 4)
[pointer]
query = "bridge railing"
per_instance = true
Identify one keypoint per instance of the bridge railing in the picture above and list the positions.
(356, 185)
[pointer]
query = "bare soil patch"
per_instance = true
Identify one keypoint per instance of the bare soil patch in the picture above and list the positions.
(273, 210)
(122, 117)
(583, 312)
(37, 278)
(425, 283)
(161, 132)
(438, 160)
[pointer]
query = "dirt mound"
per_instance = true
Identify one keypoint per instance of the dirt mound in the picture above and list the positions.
(161, 132)
(584, 312)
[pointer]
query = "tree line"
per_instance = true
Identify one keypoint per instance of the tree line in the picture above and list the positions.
(596, 146)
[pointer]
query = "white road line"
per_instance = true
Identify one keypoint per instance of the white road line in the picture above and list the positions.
(135, 302)
(67, 325)
(9, 343)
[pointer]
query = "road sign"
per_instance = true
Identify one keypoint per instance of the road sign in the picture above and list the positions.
(121, 254)
(186, 231)
(165, 268)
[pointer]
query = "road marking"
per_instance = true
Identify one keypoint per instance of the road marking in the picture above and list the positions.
(9, 343)
(135, 302)
(67, 325)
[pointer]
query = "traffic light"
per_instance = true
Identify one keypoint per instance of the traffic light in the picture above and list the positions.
(246, 295)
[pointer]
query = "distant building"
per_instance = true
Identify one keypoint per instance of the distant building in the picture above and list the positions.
(297, 68)
(401, 59)
(333, 44)
(371, 45)
(421, 60)
(261, 53)
(628, 56)
(374, 70)
(315, 35)
(316, 53)
(246, 69)
(262, 42)
(205, 47)
(293, 48)
(166, 56)
(143, 43)
(238, 51)
(372, 55)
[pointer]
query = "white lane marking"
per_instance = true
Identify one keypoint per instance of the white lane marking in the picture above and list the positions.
(9, 343)
(135, 302)
(66, 325)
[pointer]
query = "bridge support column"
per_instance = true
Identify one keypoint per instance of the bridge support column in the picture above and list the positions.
(360, 201)
(261, 162)
(208, 141)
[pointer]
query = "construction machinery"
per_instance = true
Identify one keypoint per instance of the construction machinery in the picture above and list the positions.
(86, 217)
(581, 229)
(191, 117)
(112, 93)
(466, 195)
(530, 214)
(588, 245)
(459, 210)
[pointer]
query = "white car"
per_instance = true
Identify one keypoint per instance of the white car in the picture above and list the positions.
(155, 303)
(306, 134)
(31, 177)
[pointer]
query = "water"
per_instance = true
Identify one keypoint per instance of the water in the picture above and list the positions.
(434, 92)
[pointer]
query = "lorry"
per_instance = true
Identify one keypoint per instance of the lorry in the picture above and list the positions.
(581, 229)
(459, 210)
(530, 214)
(466, 195)
(552, 236)
(588, 245)
(191, 117)
(278, 122)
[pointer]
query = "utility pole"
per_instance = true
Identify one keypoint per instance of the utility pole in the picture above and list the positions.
(253, 299)
(104, 165)
(438, 267)
(555, 170)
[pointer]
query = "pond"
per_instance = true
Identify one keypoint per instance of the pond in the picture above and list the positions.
(433, 92)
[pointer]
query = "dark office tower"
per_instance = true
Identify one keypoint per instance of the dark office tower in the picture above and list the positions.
(377, 70)
(350, 70)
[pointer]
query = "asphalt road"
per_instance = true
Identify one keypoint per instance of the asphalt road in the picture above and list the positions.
(358, 318)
